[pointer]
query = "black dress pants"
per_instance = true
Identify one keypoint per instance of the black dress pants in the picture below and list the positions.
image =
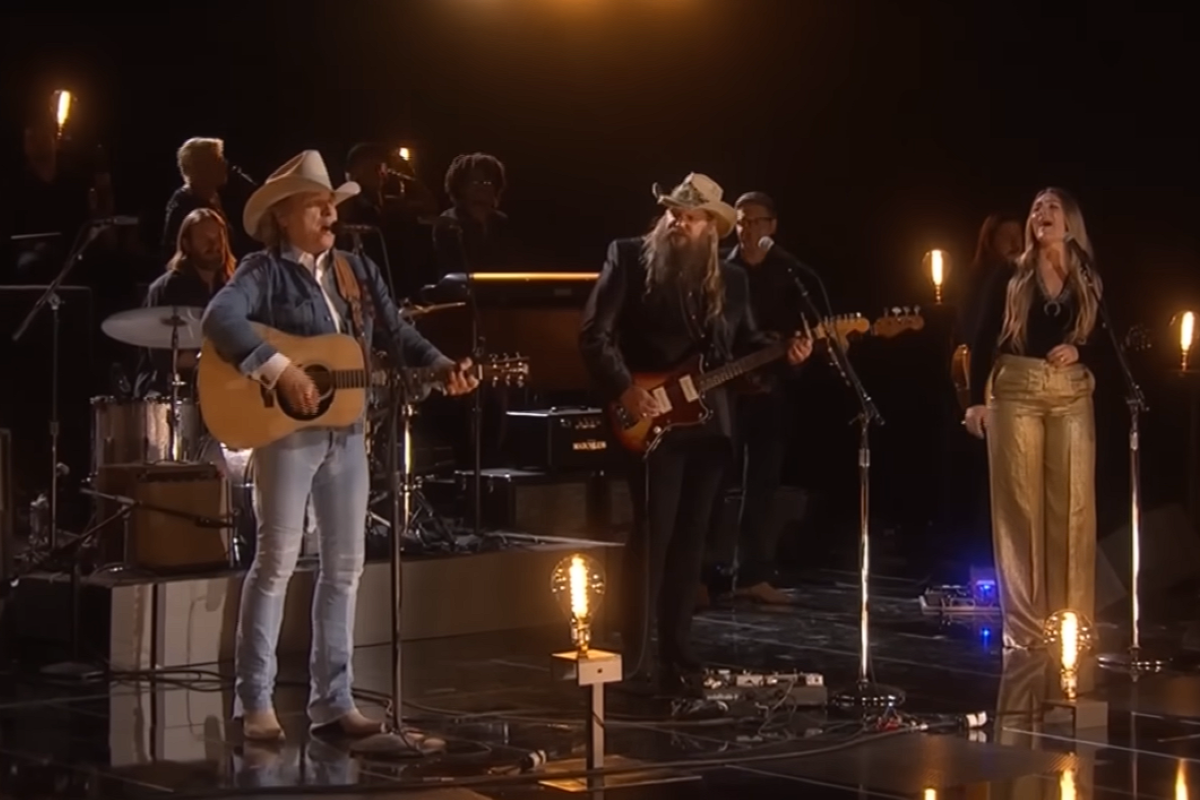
(674, 493)
(762, 436)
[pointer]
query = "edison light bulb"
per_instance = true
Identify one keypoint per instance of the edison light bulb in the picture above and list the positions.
(1181, 790)
(1066, 785)
(1187, 331)
(930, 794)
(937, 270)
(62, 108)
(405, 153)
(1068, 635)
(578, 586)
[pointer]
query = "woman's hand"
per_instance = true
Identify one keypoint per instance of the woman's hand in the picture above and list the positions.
(1063, 356)
(976, 421)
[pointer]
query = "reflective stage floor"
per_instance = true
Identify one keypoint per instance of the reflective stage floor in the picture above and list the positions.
(495, 701)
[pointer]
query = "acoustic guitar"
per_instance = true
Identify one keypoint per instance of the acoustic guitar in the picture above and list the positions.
(242, 413)
(681, 391)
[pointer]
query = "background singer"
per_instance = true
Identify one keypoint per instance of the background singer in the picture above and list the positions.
(1032, 398)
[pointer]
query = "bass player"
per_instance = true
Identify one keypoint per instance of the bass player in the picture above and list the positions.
(303, 286)
(660, 300)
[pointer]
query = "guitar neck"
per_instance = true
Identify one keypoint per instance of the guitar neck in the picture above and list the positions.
(735, 369)
(361, 379)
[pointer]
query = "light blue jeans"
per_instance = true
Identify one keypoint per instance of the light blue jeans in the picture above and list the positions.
(332, 466)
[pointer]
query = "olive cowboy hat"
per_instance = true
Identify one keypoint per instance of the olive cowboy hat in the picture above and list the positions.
(699, 193)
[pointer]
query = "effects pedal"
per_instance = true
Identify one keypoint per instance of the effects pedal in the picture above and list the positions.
(796, 689)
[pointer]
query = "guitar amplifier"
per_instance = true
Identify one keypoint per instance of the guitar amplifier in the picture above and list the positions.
(188, 538)
(566, 439)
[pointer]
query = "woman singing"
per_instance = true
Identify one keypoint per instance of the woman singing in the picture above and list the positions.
(1031, 394)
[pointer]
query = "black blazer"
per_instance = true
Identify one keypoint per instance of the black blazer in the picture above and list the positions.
(626, 329)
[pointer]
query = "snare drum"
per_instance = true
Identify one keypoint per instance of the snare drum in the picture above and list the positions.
(139, 431)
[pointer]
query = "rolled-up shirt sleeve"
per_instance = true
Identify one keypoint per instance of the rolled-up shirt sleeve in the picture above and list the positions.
(227, 324)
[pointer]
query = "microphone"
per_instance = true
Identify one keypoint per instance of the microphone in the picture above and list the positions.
(115, 221)
(241, 173)
(349, 227)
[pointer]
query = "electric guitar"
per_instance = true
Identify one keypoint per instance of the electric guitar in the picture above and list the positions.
(681, 391)
(241, 412)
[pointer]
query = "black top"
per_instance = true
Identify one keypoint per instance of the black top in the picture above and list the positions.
(774, 295)
(462, 244)
(183, 288)
(625, 329)
(1049, 325)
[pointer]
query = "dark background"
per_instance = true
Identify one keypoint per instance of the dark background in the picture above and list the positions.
(882, 129)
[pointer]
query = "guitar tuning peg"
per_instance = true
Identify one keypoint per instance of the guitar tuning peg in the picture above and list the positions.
(896, 311)
(916, 310)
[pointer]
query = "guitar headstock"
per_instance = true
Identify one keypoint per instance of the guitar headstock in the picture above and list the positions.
(896, 321)
(503, 370)
(841, 326)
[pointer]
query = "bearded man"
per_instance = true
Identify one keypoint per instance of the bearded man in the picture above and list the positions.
(201, 265)
(660, 300)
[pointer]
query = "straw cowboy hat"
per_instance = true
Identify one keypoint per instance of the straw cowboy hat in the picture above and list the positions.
(700, 193)
(304, 173)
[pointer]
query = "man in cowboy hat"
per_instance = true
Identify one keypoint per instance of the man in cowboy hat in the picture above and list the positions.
(660, 300)
(301, 285)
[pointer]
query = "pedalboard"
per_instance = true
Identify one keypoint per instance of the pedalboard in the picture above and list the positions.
(978, 599)
(796, 689)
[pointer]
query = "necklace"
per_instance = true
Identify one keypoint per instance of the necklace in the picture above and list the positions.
(1052, 306)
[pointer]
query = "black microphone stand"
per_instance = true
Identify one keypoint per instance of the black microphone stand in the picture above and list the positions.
(477, 350)
(1134, 660)
(87, 234)
(394, 742)
(865, 695)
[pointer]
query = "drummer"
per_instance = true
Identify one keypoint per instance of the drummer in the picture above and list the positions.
(201, 265)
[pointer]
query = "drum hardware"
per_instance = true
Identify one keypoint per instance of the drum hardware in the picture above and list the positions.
(422, 524)
(414, 312)
(173, 328)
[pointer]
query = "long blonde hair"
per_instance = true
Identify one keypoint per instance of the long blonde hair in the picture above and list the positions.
(656, 248)
(1022, 287)
(228, 262)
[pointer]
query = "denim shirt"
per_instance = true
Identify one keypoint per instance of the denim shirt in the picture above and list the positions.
(271, 289)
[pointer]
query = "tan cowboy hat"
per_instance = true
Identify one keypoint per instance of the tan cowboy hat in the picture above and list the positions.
(700, 192)
(304, 173)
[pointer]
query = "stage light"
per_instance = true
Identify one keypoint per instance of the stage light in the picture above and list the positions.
(935, 262)
(1068, 635)
(405, 153)
(930, 794)
(1187, 334)
(1181, 790)
(62, 100)
(578, 586)
(1066, 785)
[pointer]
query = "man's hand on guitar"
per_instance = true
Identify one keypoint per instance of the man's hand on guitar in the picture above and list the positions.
(460, 380)
(976, 421)
(640, 403)
(297, 389)
(799, 349)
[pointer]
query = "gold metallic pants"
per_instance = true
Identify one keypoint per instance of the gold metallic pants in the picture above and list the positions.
(1042, 453)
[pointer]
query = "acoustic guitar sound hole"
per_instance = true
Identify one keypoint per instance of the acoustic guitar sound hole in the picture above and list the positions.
(322, 378)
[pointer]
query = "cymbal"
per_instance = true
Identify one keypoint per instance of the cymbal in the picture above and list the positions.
(151, 327)
(416, 312)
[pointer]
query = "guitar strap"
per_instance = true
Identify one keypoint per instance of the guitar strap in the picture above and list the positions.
(350, 289)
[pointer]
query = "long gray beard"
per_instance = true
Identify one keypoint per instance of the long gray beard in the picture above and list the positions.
(686, 263)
